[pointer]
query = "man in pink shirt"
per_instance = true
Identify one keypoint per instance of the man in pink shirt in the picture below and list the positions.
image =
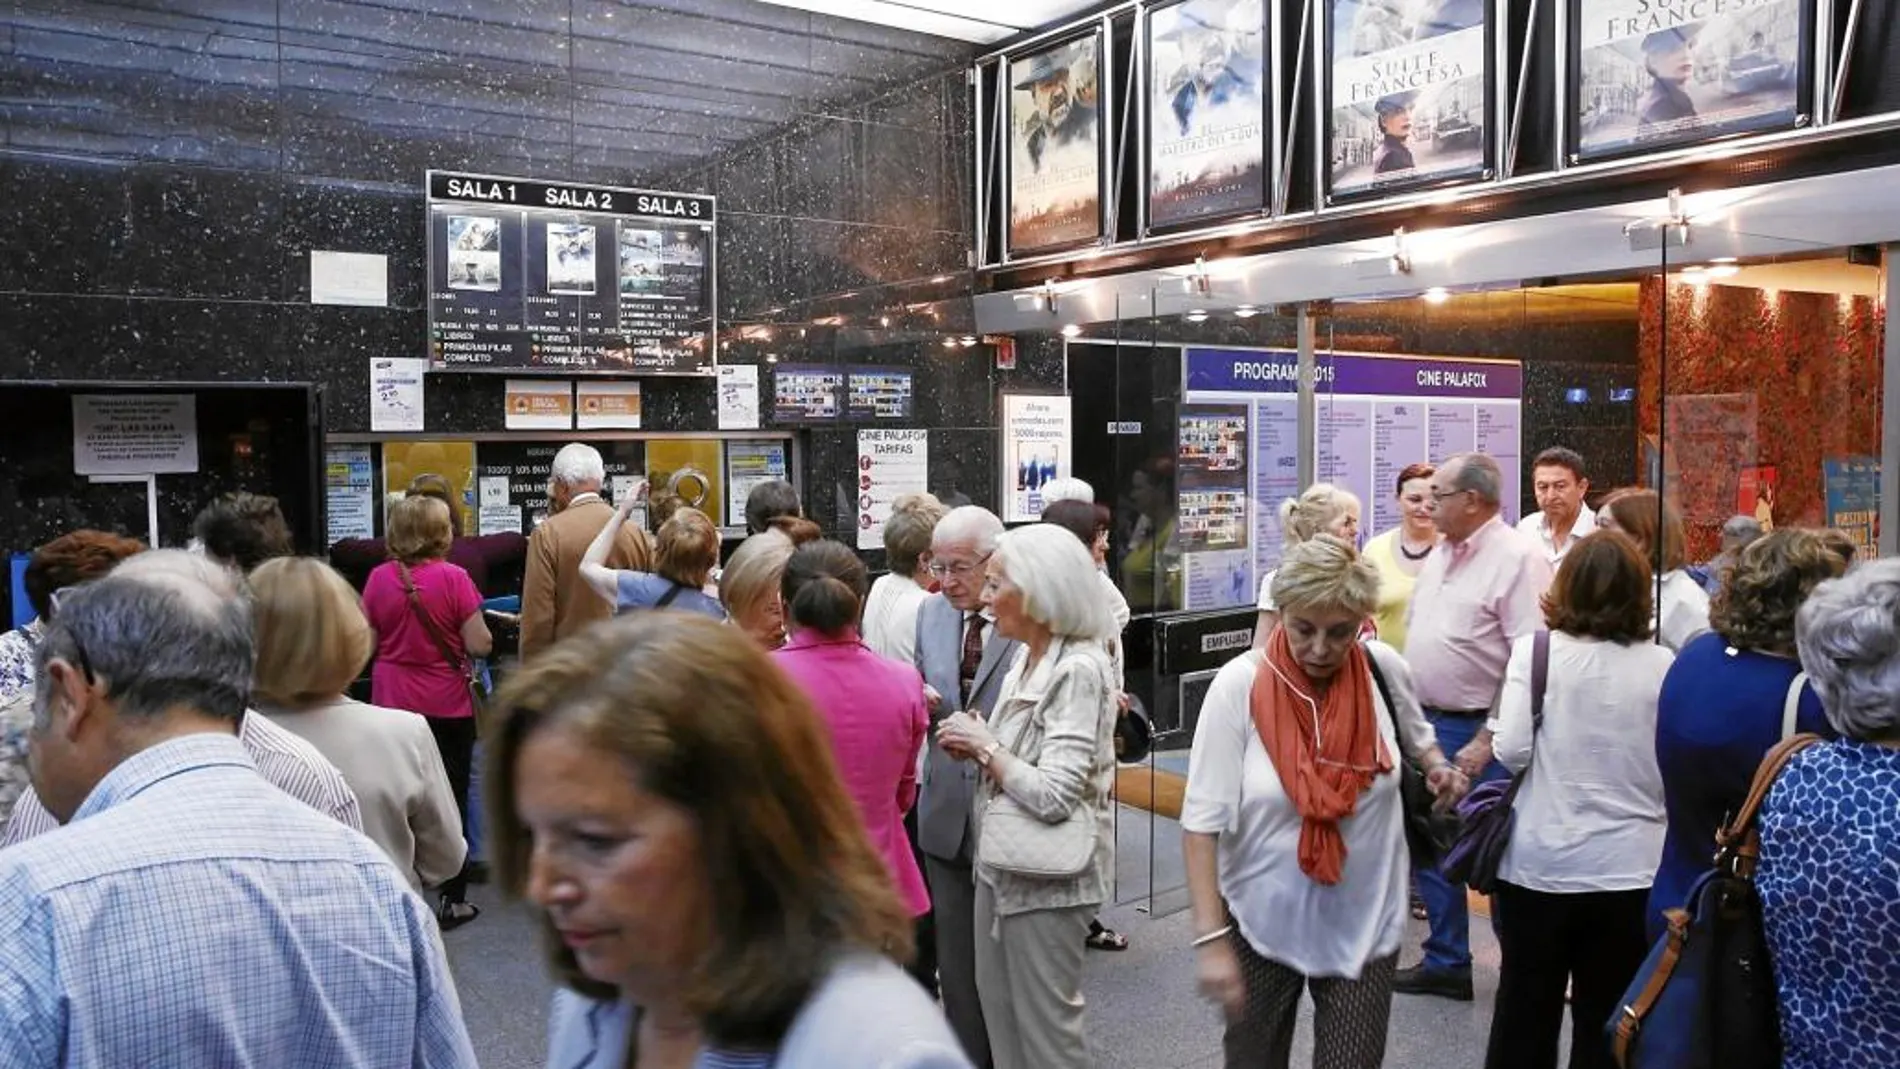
(1478, 592)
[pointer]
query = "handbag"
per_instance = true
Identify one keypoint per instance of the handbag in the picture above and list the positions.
(1485, 816)
(1705, 997)
(1428, 833)
(462, 666)
(1134, 734)
(1018, 842)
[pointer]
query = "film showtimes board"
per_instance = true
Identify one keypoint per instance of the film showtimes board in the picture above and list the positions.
(560, 277)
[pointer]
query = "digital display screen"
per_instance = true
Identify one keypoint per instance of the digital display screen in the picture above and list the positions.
(559, 277)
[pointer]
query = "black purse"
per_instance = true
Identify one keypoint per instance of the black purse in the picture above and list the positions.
(1428, 833)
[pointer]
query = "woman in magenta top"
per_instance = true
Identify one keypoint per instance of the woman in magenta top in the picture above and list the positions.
(422, 665)
(874, 707)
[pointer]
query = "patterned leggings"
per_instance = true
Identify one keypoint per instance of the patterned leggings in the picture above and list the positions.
(1349, 1016)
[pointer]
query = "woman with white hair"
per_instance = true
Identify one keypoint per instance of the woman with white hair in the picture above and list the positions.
(1293, 827)
(1043, 828)
(1829, 875)
(1322, 509)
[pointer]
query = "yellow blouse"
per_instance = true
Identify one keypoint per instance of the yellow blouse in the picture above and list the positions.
(1395, 589)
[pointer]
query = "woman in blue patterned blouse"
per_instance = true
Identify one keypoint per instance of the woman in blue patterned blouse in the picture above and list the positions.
(1830, 836)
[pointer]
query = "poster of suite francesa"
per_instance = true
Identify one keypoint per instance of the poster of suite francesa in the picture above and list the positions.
(1206, 124)
(1653, 73)
(1408, 92)
(1055, 158)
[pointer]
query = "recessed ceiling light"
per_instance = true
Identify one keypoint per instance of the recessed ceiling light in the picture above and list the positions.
(1722, 260)
(1436, 295)
(1071, 330)
(1198, 315)
(1246, 311)
(1722, 270)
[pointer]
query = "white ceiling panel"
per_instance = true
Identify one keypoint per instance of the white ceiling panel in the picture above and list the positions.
(980, 21)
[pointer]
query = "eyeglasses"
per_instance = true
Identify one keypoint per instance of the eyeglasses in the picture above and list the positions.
(961, 569)
(1438, 496)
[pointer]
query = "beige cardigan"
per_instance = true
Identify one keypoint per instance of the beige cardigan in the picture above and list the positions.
(390, 760)
(1060, 721)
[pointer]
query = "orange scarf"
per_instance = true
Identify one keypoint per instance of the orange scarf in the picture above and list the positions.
(1323, 776)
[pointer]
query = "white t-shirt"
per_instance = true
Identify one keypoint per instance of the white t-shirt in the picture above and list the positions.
(1234, 792)
(1683, 611)
(890, 616)
(1590, 817)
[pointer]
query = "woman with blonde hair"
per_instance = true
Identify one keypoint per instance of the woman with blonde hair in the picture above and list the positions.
(749, 587)
(312, 640)
(427, 616)
(667, 802)
(1293, 827)
(1046, 761)
(1321, 509)
(1682, 609)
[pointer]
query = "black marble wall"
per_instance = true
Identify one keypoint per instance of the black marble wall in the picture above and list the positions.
(169, 171)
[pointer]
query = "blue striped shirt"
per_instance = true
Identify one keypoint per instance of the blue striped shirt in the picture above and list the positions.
(193, 915)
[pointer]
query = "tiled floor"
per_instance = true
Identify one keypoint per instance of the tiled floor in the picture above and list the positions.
(1143, 1011)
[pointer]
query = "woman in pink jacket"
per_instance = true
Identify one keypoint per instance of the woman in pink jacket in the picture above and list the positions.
(873, 707)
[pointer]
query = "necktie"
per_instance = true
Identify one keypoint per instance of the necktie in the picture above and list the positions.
(972, 655)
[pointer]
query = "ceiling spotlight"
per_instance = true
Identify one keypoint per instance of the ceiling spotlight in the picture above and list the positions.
(1436, 295)
(949, 343)
(1722, 259)
(968, 340)
(1198, 315)
(940, 278)
(771, 358)
(883, 321)
(1724, 270)
(1246, 311)
(1070, 330)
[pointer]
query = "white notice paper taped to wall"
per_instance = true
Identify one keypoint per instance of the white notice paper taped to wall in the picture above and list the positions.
(358, 278)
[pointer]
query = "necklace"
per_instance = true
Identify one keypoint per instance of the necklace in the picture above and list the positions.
(1420, 555)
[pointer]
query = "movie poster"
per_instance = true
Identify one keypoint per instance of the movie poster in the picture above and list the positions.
(1055, 161)
(1665, 72)
(1206, 123)
(1407, 92)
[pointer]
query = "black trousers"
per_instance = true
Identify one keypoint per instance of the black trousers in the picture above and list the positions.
(1350, 1017)
(923, 965)
(455, 740)
(1591, 940)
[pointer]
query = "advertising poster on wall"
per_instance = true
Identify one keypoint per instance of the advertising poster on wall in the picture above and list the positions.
(134, 434)
(1207, 142)
(1653, 73)
(1036, 436)
(1407, 91)
(349, 493)
(1853, 501)
(1707, 440)
(890, 465)
(747, 465)
(1055, 159)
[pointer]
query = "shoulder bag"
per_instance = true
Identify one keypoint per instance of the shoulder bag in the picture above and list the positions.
(1428, 834)
(461, 666)
(1705, 997)
(1485, 815)
(1018, 842)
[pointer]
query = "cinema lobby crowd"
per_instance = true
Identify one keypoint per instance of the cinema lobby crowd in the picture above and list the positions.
(773, 813)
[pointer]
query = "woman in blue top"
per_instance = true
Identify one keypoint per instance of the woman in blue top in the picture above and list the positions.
(1830, 836)
(1724, 702)
(685, 553)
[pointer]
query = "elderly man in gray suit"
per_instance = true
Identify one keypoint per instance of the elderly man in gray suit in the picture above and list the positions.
(963, 661)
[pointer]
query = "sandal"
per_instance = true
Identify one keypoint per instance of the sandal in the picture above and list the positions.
(452, 915)
(1101, 937)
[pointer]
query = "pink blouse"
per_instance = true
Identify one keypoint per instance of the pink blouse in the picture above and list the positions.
(875, 710)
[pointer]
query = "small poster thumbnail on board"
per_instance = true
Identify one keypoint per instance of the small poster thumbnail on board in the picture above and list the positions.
(474, 258)
(570, 258)
(806, 393)
(879, 393)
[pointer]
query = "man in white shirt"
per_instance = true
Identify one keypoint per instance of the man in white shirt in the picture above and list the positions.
(1560, 483)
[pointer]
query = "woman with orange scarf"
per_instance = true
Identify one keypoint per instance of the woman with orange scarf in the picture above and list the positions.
(1293, 826)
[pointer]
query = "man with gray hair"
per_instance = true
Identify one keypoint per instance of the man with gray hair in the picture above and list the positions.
(963, 661)
(190, 913)
(555, 601)
(1480, 590)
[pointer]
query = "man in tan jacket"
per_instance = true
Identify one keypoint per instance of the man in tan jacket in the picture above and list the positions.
(555, 603)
